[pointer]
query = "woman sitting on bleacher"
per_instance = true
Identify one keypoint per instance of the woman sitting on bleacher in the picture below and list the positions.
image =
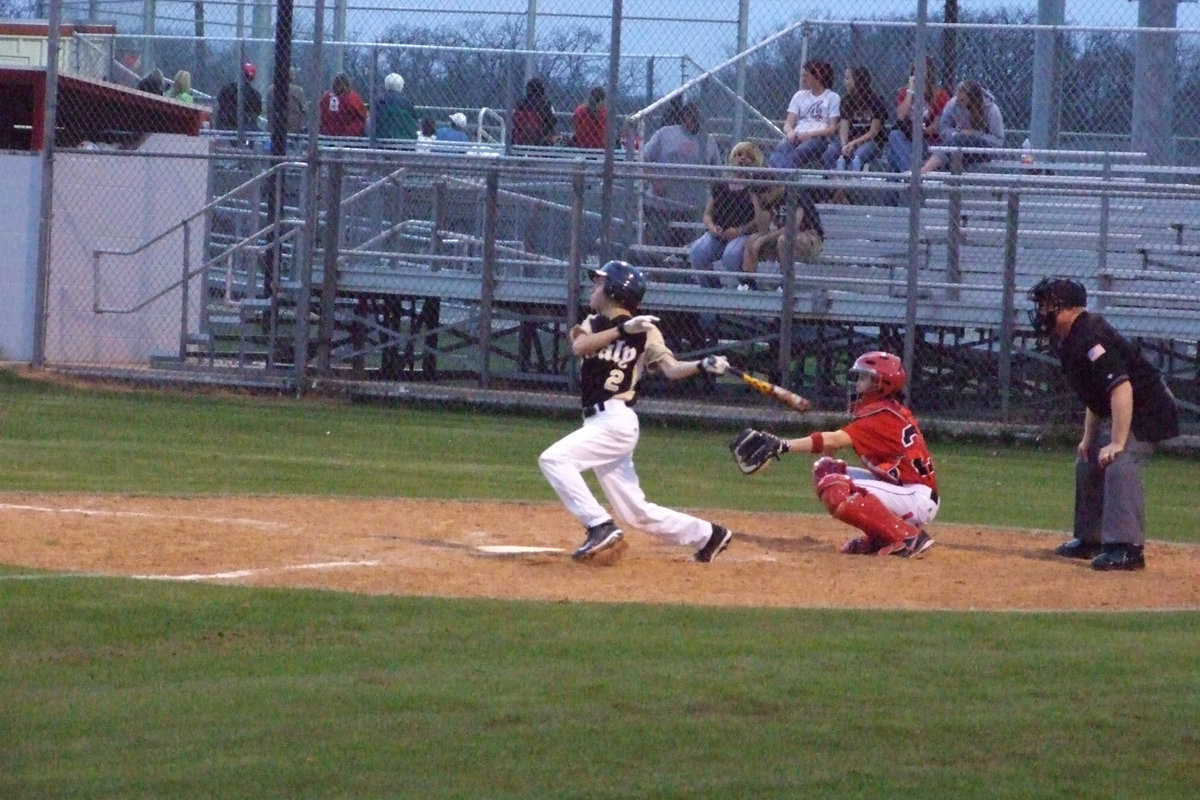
(732, 213)
(899, 140)
(860, 128)
(970, 119)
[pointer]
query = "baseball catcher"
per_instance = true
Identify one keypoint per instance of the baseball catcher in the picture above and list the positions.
(894, 494)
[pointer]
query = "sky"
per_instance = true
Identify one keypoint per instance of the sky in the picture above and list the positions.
(704, 29)
(765, 15)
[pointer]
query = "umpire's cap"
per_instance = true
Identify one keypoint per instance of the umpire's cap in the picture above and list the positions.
(623, 282)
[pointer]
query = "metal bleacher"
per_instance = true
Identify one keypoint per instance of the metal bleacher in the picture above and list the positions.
(449, 267)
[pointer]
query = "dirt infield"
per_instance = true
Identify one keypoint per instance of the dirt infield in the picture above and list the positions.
(430, 548)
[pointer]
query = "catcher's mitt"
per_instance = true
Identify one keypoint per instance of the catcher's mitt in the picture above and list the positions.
(752, 449)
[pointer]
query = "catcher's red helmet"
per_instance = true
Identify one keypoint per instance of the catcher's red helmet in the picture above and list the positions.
(249, 71)
(886, 374)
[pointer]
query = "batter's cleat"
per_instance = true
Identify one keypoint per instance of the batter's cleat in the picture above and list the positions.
(1120, 556)
(914, 546)
(716, 544)
(599, 537)
(1078, 548)
(860, 546)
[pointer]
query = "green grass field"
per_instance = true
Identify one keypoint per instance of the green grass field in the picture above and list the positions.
(123, 688)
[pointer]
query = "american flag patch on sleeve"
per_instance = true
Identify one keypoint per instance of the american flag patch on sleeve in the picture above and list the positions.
(1095, 352)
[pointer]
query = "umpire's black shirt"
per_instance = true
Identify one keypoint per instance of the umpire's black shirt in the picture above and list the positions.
(1096, 359)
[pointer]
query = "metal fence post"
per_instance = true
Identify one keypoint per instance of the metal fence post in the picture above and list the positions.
(787, 269)
(487, 289)
(1007, 300)
(183, 290)
(575, 263)
(332, 240)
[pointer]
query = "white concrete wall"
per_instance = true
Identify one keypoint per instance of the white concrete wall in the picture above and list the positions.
(20, 175)
(106, 201)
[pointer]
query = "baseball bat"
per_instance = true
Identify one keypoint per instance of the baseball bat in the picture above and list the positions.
(788, 398)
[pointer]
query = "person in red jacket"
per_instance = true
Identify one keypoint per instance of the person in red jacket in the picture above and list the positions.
(343, 112)
(590, 119)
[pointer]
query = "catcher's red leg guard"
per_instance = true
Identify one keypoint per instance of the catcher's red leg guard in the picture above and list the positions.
(853, 506)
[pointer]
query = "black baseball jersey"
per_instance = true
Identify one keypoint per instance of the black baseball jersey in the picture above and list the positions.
(1097, 359)
(614, 370)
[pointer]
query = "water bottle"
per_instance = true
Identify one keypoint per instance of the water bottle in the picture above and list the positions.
(1026, 151)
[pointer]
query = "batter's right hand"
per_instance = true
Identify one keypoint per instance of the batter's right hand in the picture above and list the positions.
(715, 364)
(639, 324)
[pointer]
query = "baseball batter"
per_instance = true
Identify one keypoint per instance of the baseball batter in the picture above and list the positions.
(1129, 407)
(894, 495)
(616, 347)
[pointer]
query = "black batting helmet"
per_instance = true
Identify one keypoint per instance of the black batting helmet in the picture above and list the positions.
(623, 282)
(1050, 296)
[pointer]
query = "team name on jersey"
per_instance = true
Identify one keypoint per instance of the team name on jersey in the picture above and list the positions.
(618, 353)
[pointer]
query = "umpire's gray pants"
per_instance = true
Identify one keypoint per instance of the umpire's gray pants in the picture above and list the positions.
(1109, 504)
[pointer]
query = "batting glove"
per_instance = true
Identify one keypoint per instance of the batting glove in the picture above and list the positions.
(639, 324)
(715, 364)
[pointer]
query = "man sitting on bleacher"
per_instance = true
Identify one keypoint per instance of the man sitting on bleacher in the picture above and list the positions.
(679, 141)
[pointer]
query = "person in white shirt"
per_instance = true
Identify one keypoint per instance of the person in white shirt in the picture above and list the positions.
(812, 118)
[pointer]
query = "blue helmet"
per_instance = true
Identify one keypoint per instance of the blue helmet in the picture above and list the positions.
(623, 282)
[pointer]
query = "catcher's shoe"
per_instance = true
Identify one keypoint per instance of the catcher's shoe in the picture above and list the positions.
(716, 544)
(1120, 556)
(914, 546)
(861, 546)
(1078, 548)
(599, 537)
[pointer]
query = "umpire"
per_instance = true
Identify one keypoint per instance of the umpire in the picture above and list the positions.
(1129, 408)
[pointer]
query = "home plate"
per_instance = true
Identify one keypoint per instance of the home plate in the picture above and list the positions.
(516, 550)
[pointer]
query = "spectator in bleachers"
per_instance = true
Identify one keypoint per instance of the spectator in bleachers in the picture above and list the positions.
(970, 119)
(591, 117)
(812, 118)
(393, 115)
(733, 212)
(455, 131)
(861, 125)
(426, 134)
(899, 143)
(766, 245)
(342, 110)
(181, 87)
(297, 103)
(154, 82)
(228, 103)
(676, 200)
(533, 119)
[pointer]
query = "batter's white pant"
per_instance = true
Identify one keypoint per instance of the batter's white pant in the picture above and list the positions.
(605, 445)
(912, 502)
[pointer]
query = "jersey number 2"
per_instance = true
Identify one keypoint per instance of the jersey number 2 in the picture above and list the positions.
(613, 384)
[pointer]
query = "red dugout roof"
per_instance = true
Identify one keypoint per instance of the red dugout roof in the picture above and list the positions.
(88, 110)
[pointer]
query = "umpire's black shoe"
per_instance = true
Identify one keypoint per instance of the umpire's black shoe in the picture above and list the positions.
(599, 537)
(1120, 556)
(716, 544)
(1078, 548)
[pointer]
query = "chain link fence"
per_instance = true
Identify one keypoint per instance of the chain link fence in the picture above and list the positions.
(367, 256)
